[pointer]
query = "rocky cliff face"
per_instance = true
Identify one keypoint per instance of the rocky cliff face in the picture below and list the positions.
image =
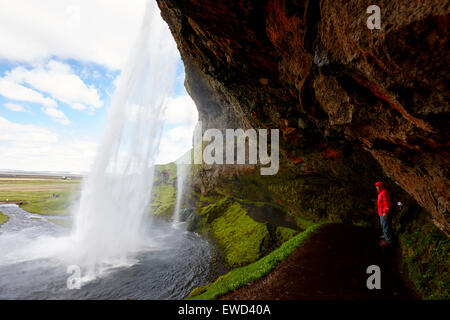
(353, 105)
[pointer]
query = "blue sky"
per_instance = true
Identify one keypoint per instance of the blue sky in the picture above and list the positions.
(57, 77)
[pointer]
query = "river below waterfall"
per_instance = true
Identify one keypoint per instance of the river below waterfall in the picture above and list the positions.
(175, 262)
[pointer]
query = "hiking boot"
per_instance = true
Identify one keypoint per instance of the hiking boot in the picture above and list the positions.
(384, 243)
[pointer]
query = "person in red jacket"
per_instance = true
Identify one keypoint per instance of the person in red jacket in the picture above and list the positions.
(384, 208)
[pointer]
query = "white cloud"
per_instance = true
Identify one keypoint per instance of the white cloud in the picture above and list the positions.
(99, 31)
(24, 135)
(183, 133)
(181, 116)
(15, 107)
(175, 143)
(18, 92)
(181, 110)
(32, 32)
(56, 115)
(30, 147)
(78, 106)
(58, 80)
(170, 150)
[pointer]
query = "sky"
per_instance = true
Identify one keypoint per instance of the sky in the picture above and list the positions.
(59, 61)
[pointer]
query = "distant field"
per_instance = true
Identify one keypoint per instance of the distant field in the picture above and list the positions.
(43, 196)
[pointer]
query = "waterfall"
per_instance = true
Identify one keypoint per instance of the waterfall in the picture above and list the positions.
(182, 170)
(116, 195)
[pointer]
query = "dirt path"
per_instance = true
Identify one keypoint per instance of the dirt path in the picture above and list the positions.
(332, 265)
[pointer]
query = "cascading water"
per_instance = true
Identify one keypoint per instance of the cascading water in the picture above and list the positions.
(182, 169)
(111, 223)
(117, 192)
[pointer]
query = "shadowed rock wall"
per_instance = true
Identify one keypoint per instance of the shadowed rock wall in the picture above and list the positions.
(336, 90)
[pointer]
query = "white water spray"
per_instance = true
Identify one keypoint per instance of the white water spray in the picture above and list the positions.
(116, 195)
(182, 171)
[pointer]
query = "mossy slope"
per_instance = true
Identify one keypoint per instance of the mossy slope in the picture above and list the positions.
(241, 239)
(426, 253)
(240, 276)
(163, 203)
(164, 192)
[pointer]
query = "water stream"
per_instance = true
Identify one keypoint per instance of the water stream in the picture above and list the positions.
(169, 267)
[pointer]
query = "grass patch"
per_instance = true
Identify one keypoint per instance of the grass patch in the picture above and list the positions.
(42, 196)
(25, 189)
(252, 272)
(3, 218)
(57, 205)
(24, 196)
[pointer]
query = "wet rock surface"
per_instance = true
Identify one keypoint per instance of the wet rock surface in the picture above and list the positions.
(315, 71)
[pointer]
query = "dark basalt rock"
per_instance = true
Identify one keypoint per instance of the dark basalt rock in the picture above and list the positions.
(332, 86)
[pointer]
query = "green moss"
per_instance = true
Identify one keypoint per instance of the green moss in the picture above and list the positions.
(3, 218)
(164, 198)
(252, 272)
(427, 258)
(239, 237)
(206, 199)
(425, 251)
(213, 210)
(310, 196)
(199, 290)
(284, 234)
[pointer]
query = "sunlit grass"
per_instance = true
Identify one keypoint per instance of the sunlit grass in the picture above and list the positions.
(42, 196)
(57, 205)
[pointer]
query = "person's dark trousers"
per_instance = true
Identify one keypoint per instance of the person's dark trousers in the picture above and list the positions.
(386, 226)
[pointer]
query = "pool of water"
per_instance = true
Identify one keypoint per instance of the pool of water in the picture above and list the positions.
(174, 262)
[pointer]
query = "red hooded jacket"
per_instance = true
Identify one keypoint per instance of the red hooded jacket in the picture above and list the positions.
(384, 201)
